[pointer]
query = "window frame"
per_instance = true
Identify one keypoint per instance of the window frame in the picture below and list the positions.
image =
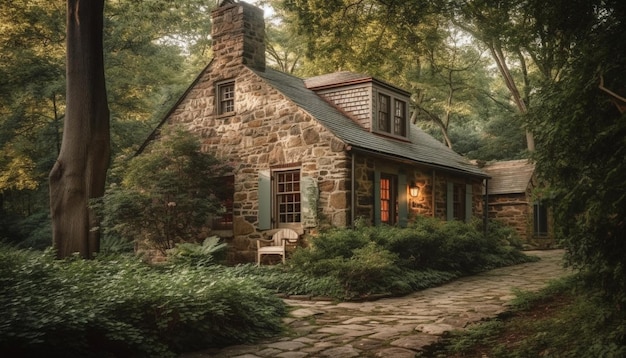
(459, 201)
(225, 220)
(390, 114)
(540, 220)
(384, 110)
(388, 196)
(225, 105)
(399, 128)
(286, 197)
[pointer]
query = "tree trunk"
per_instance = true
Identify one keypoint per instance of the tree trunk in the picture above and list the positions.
(80, 170)
(498, 56)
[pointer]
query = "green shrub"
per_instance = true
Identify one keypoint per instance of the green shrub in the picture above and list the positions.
(384, 259)
(165, 194)
(120, 306)
(208, 253)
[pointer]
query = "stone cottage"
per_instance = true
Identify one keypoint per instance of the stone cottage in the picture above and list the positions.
(512, 200)
(327, 150)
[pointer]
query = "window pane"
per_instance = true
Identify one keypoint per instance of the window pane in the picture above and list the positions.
(458, 199)
(387, 201)
(288, 196)
(383, 113)
(225, 196)
(226, 97)
(399, 122)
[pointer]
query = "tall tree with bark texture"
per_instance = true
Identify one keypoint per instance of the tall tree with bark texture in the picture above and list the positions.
(80, 170)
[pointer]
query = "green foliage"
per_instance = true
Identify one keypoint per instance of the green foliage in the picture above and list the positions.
(166, 194)
(566, 319)
(152, 51)
(119, 306)
(581, 136)
(191, 254)
(372, 260)
(285, 280)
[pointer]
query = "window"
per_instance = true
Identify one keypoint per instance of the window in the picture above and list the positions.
(459, 201)
(388, 200)
(226, 97)
(540, 220)
(399, 118)
(225, 196)
(287, 199)
(391, 120)
(383, 113)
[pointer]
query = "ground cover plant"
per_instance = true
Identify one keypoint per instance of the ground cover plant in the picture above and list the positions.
(567, 319)
(120, 306)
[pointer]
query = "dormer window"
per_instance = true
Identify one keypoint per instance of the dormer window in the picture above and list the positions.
(226, 97)
(383, 113)
(391, 115)
(377, 106)
(399, 118)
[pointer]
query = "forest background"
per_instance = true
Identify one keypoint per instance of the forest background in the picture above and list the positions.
(494, 80)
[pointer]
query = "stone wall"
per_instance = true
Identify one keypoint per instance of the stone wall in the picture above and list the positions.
(237, 35)
(265, 131)
(514, 210)
(423, 204)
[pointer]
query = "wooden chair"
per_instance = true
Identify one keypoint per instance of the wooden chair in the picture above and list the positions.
(276, 245)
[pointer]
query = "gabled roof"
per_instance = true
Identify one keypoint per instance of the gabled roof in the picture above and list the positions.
(509, 177)
(422, 148)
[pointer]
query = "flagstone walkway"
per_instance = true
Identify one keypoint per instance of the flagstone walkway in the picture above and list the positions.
(398, 327)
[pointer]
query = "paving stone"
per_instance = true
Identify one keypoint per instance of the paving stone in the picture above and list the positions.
(366, 344)
(341, 352)
(269, 352)
(292, 355)
(415, 342)
(305, 312)
(396, 353)
(287, 346)
(436, 329)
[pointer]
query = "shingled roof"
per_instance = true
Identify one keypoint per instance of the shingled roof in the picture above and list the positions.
(421, 147)
(346, 78)
(509, 177)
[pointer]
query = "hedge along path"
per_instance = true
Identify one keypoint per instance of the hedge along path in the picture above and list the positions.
(399, 327)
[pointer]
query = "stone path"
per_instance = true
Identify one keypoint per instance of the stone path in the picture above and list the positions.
(398, 327)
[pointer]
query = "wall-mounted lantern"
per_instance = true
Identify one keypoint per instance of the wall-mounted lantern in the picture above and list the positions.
(414, 190)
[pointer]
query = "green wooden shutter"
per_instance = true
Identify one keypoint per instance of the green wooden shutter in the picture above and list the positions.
(468, 202)
(265, 200)
(309, 195)
(403, 203)
(376, 198)
(450, 202)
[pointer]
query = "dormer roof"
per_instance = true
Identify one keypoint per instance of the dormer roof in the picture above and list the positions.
(347, 78)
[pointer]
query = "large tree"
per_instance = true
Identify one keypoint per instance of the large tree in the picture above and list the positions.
(581, 136)
(79, 173)
(152, 49)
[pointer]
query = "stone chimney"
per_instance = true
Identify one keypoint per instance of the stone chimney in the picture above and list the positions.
(238, 34)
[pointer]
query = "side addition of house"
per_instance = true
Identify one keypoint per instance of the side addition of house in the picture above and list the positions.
(309, 153)
(512, 201)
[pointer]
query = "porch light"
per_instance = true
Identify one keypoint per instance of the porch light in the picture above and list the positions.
(414, 190)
